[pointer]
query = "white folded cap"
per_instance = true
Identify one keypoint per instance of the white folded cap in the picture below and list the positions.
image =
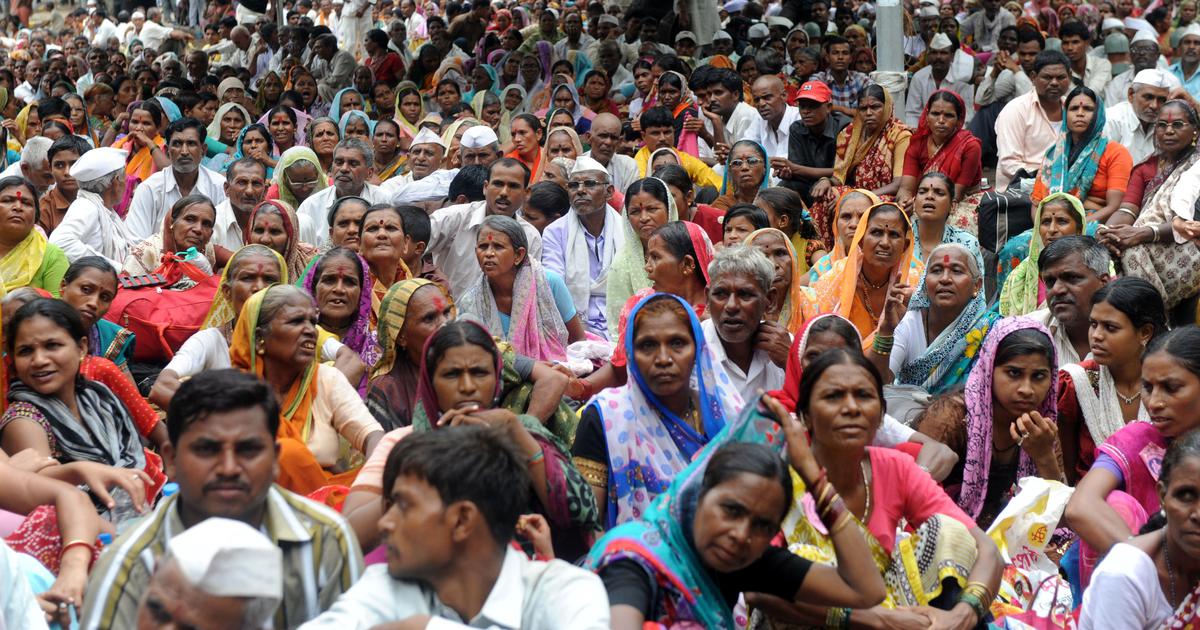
(722, 36)
(584, 164)
(1192, 29)
(137, 15)
(777, 20)
(733, 6)
(927, 11)
(759, 30)
(1111, 23)
(941, 41)
(685, 35)
(476, 137)
(228, 558)
(428, 137)
(1143, 36)
(97, 163)
(1154, 77)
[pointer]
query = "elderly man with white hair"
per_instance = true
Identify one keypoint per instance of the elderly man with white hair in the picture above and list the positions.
(353, 165)
(1131, 122)
(91, 227)
(581, 244)
(1187, 64)
(33, 165)
(424, 157)
(221, 574)
(1143, 54)
(479, 145)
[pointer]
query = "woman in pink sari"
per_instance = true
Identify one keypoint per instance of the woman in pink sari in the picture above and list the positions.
(1120, 492)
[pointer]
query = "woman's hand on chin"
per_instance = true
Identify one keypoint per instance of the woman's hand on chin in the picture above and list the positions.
(800, 454)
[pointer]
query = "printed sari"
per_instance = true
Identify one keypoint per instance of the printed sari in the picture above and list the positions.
(800, 303)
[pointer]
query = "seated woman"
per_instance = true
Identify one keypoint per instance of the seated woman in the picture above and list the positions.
(223, 131)
(286, 125)
(541, 319)
(1117, 496)
(90, 285)
(849, 209)
(297, 176)
(340, 283)
(935, 343)
(274, 223)
(54, 411)
(677, 256)
(672, 565)
(632, 440)
(255, 142)
(386, 142)
(275, 338)
(747, 172)
(1083, 162)
(649, 205)
(1128, 589)
(1008, 432)
(144, 144)
(879, 262)
(356, 124)
(1126, 314)
(381, 244)
(1151, 248)
(1021, 290)
(794, 304)
(345, 218)
(27, 259)
(786, 213)
(942, 143)
(931, 214)
(322, 135)
(189, 225)
(949, 570)
(740, 221)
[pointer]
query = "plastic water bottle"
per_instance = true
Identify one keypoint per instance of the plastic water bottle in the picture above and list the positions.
(123, 514)
(196, 259)
(105, 539)
(985, 185)
(169, 489)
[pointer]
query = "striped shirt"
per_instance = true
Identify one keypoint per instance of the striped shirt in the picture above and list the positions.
(321, 559)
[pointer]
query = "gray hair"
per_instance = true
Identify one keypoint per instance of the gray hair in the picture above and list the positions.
(566, 164)
(972, 264)
(510, 227)
(104, 182)
(743, 259)
(359, 145)
(1095, 256)
(35, 151)
(278, 296)
(20, 297)
(259, 613)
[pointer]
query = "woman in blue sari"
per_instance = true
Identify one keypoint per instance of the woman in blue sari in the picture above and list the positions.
(707, 538)
(356, 124)
(255, 142)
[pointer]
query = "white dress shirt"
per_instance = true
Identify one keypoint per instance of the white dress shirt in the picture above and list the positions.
(1063, 347)
(773, 141)
(737, 127)
(153, 35)
(227, 232)
(923, 85)
(91, 229)
(314, 212)
(452, 243)
(1096, 74)
(762, 375)
(1023, 134)
(528, 594)
(1117, 90)
(1122, 125)
(154, 197)
(1002, 88)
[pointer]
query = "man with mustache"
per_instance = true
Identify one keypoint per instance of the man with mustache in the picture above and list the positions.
(245, 187)
(154, 197)
(223, 455)
(1073, 268)
(353, 164)
(1030, 123)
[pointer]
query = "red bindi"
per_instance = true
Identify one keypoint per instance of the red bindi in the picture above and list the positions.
(18, 195)
(259, 269)
(490, 238)
(945, 259)
(439, 304)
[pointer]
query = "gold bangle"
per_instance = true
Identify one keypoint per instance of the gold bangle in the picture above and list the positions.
(841, 523)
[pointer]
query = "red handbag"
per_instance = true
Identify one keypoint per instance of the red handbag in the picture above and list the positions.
(160, 319)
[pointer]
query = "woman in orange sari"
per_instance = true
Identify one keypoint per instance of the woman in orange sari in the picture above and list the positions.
(145, 147)
(325, 430)
(526, 141)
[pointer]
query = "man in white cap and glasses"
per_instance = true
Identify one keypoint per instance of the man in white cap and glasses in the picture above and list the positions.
(1143, 55)
(424, 157)
(479, 145)
(937, 76)
(353, 165)
(221, 574)
(982, 28)
(580, 245)
(1187, 67)
(927, 19)
(91, 227)
(1131, 121)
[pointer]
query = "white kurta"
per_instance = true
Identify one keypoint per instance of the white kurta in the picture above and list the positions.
(352, 29)
(91, 229)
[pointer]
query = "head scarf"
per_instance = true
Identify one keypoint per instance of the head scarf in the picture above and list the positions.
(407, 128)
(648, 443)
(627, 274)
(521, 107)
(169, 108)
(452, 130)
(1071, 166)
(335, 107)
(495, 89)
(222, 312)
(859, 145)
(214, 127)
(298, 254)
(22, 120)
(392, 313)
(979, 400)
(295, 419)
(727, 183)
(541, 168)
(578, 111)
(287, 160)
(702, 246)
(535, 326)
(240, 153)
(302, 120)
(947, 360)
(837, 290)
(259, 99)
(359, 337)
(800, 302)
(794, 371)
(953, 148)
(354, 113)
(1019, 295)
(503, 134)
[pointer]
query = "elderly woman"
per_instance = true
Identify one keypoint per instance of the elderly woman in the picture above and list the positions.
(1127, 313)
(275, 338)
(849, 209)
(273, 223)
(882, 488)
(322, 137)
(1083, 162)
(794, 304)
(785, 211)
(942, 143)
(340, 283)
(935, 343)
(541, 319)
(649, 205)
(27, 259)
(189, 225)
(298, 176)
(747, 172)
(1022, 291)
(879, 268)
(561, 142)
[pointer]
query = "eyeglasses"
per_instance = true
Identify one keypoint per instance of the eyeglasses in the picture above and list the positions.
(587, 183)
(1176, 125)
(304, 184)
(738, 163)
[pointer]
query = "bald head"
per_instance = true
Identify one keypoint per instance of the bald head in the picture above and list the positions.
(768, 98)
(606, 137)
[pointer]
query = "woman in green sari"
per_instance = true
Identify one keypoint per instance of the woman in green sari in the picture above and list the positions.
(1021, 289)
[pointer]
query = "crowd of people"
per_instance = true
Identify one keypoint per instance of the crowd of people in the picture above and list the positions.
(581, 315)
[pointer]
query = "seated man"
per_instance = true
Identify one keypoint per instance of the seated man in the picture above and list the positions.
(752, 349)
(221, 575)
(452, 499)
(222, 425)
(1073, 268)
(658, 132)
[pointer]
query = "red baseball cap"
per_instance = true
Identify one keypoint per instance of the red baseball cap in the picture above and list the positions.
(815, 91)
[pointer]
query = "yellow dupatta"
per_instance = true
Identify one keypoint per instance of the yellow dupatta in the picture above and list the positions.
(392, 313)
(800, 304)
(221, 313)
(296, 406)
(859, 146)
(18, 266)
(139, 164)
